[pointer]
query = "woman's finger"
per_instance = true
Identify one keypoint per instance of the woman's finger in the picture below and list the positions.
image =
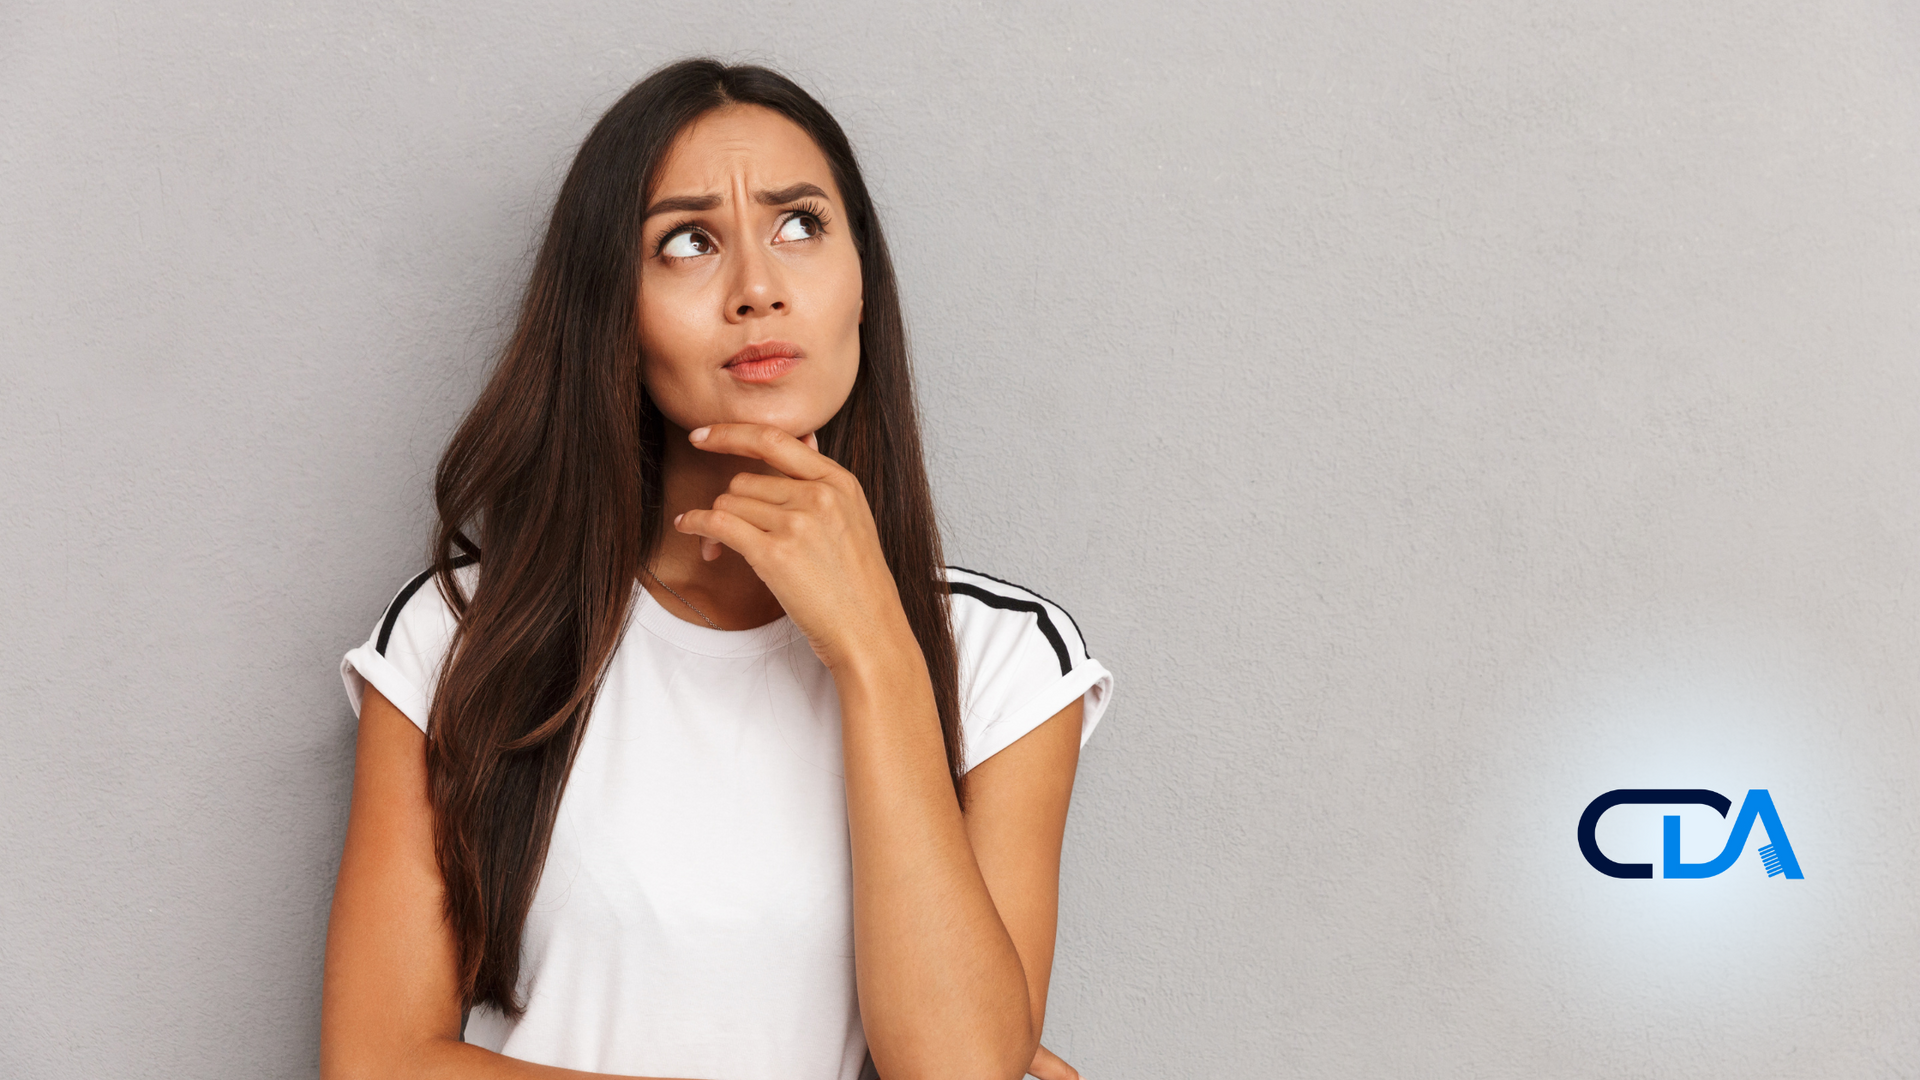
(725, 528)
(1048, 1066)
(765, 443)
(758, 513)
(778, 490)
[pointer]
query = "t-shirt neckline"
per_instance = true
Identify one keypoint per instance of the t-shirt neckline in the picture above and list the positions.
(705, 640)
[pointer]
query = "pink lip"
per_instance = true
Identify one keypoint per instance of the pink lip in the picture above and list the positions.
(764, 362)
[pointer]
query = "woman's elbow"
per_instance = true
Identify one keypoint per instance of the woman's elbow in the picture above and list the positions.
(361, 1059)
(1000, 1056)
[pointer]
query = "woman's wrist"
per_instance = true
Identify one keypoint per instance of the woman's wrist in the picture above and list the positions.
(880, 652)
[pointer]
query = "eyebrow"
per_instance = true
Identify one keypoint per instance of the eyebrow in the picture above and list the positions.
(682, 204)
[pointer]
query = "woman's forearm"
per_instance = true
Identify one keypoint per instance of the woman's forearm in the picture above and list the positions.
(461, 1061)
(942, 990)
(450, 1059)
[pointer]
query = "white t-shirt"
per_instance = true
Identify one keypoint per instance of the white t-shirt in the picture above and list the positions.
(695, 914)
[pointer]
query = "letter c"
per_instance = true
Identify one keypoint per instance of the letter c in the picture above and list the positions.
(1656, 796)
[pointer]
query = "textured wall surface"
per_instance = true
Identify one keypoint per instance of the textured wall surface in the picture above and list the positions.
(1435, 414)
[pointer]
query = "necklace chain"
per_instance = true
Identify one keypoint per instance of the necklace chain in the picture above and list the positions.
(682, 599)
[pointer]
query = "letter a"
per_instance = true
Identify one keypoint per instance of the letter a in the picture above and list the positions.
(1777, 855)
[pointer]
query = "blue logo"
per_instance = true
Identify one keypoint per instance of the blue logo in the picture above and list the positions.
(1776, 856)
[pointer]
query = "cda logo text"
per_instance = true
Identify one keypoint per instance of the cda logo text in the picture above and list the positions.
(1776, 856)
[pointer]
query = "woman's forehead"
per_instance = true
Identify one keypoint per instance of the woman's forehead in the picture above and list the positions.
(737, 144)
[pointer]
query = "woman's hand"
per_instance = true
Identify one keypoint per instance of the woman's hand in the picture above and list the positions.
(1048, 1066)
(808, 534)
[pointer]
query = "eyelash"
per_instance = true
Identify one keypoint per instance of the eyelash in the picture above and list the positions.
(806, 209)
(813, 210)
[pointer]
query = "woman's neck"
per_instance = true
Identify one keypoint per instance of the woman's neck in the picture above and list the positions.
(725, 590)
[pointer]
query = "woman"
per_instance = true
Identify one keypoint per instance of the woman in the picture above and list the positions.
(688, 758)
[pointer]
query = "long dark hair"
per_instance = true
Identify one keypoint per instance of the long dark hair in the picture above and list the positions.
(553, 485)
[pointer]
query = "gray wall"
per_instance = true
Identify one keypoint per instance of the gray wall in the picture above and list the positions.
(1436, 415)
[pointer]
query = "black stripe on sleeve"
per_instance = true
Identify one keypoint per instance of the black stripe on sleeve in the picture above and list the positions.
(1008, 603)
(406, 594)
(1070, 619)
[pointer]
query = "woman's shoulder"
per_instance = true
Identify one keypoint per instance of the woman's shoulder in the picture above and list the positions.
(420, 611)
(1022, 659)
(989, 609)
(402, 655)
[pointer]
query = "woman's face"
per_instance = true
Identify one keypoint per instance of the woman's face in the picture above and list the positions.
(750, 297)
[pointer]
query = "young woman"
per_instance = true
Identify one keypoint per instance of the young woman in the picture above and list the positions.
(688, 758)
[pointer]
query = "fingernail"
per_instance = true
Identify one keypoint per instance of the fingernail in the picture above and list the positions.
(677, 517)
(698, 434)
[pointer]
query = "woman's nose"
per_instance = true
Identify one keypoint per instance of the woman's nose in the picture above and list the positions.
(758, 286)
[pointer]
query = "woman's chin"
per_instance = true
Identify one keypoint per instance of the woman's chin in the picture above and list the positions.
(798, 425)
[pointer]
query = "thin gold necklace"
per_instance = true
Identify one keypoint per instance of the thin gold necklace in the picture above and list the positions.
(682, 599)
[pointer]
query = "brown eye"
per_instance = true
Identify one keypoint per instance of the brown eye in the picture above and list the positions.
(687, 244)
(798, 227)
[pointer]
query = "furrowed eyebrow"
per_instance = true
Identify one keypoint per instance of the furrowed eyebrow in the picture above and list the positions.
(681, 204)
(685, 204)
(790, 193)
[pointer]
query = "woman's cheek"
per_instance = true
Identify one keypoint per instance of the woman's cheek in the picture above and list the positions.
(673, 393)
(666, 343)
